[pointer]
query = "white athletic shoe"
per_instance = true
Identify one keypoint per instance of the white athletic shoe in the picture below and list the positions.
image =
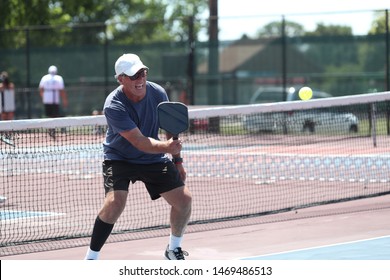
(2, 199)
(176, 254)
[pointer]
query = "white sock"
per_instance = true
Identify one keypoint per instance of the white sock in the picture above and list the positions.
(91, 255)
(174, 241)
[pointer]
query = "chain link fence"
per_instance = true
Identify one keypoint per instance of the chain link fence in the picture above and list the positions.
(197, 72)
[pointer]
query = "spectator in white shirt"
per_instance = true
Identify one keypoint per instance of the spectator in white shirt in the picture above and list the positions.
(52, 91)
(7, 97)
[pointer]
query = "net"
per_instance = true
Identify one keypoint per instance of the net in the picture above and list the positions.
(242, 162)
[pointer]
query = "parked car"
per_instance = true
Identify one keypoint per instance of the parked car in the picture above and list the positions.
(317, 120)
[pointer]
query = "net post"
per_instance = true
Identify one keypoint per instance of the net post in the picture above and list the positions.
(373, 121)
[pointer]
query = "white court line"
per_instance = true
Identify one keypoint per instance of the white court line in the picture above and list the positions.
(21, 214)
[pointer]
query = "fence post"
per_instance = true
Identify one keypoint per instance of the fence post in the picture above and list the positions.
(191, 62)
(28, 73)
(373, 121)
(105, 59)
(284, 69)
(387, 52)
(213, 59)
(387, 78)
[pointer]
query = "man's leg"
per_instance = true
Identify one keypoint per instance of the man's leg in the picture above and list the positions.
(113, 206)
(180, 200)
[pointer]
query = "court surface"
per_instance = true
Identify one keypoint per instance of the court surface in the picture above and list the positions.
(368, 249)
(354, 230)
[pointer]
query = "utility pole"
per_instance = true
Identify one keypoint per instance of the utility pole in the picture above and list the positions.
(191, 61)
(213, 62)
(387, 78)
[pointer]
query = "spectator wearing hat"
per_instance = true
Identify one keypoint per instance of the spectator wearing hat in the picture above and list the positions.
(53, 94)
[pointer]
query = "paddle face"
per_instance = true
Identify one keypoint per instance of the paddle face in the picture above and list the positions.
(173, 117)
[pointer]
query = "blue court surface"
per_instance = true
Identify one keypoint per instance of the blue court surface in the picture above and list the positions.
(367, 249)
(14, 214)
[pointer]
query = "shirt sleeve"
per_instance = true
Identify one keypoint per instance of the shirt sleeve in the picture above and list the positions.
(119, 119)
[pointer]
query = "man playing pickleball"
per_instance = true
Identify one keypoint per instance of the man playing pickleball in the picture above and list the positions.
(133, 152)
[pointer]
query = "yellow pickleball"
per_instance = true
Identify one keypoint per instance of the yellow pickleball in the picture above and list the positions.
(305, 93)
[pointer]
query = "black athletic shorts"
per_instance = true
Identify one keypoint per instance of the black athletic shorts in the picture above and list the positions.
(52, 110)
(158, 177)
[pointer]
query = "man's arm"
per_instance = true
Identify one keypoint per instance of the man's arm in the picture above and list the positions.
(41, 92)
(150, 145)
(169, 136)
(64, 97)
(178, 161)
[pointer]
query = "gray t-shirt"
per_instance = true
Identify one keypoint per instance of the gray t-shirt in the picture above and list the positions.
(123, 115)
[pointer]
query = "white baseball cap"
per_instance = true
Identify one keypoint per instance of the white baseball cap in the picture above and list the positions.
(52, 70)
(128, 64)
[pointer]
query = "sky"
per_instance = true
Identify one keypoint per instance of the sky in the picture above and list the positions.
(237, 17)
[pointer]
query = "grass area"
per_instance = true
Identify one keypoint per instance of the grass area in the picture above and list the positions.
(236, 128)
(381, 127)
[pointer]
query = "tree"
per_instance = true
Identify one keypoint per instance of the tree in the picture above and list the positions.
(332, 45)
(336, 49)
(378, 26)
(330, 30)
(15, 13)
(374, 52)
(128, 21)
(274, 29)
(180, 12)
